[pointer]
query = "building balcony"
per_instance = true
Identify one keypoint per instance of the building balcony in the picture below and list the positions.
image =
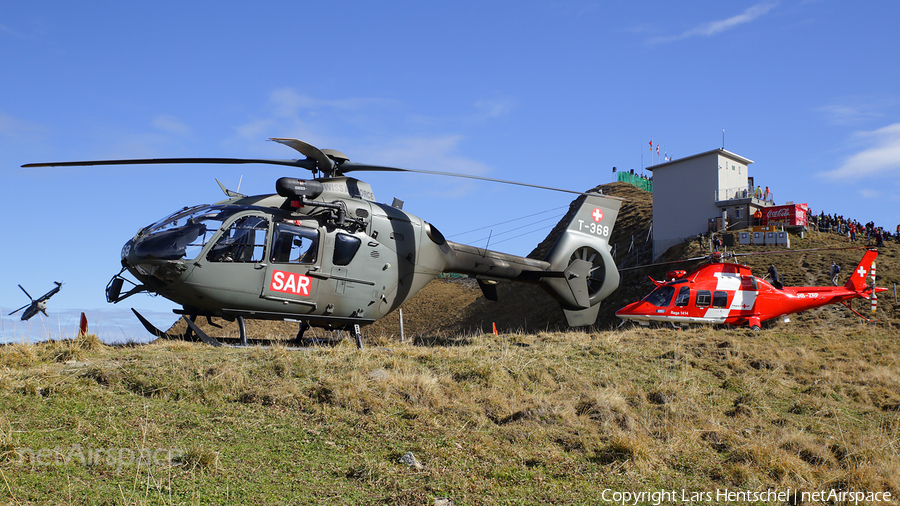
(744, 195)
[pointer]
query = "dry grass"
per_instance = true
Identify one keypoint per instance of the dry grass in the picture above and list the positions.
(540, 417)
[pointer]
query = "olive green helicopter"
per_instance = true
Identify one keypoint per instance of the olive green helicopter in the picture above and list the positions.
(322, 252)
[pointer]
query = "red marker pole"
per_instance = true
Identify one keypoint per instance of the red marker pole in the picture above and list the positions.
(83, 327)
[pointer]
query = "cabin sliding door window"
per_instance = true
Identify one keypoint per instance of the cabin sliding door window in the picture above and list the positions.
(294, 244)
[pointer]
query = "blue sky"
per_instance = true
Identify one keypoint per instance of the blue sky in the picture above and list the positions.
(551, 93)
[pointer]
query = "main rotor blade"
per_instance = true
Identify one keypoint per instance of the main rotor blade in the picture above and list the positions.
(316, 160)
(351, 166)
(326, 165)
(725, 256)
(26, 293)
(704, 257)
(17, 310)
(794, 251)
(304, 164)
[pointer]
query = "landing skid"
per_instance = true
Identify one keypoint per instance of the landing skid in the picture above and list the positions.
(187, 336)
(243, 335)
(218, 344)
(193, 332)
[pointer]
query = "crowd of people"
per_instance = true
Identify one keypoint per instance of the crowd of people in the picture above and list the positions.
(852, 229)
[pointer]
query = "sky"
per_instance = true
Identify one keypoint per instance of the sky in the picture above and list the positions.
(554, 93)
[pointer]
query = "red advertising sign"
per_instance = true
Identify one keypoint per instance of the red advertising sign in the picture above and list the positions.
(789, 215)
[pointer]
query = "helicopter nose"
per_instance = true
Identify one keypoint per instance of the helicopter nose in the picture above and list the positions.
(132, 261)
(127, 250)
(630, 311)
(157, 273)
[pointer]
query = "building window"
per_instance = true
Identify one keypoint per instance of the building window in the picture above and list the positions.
(738, 213)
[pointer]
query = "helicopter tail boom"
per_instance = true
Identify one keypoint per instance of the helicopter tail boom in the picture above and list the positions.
(578, 271)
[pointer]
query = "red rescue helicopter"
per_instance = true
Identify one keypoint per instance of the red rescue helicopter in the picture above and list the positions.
(727, 293)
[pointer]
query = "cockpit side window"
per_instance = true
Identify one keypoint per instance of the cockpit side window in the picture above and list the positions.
(684, 296)
(244, 241)
(661, 297)
(294, 244)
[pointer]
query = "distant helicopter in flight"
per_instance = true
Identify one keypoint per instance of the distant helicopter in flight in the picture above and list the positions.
(39, 304)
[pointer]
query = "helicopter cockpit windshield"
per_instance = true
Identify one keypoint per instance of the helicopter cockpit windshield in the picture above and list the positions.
(182, 234)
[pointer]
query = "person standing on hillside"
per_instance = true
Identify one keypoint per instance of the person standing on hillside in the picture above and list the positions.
(835, 270)
(776, 280)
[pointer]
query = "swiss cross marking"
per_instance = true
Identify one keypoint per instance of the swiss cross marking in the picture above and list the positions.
(861, 271)
(597, 214)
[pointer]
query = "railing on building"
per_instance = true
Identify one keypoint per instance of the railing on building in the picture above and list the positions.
(745, 192)
(639, 181)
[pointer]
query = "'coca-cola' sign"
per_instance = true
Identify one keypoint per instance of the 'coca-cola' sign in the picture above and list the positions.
(790, 215)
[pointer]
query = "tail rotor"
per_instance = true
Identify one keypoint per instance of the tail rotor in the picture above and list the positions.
(582, 253)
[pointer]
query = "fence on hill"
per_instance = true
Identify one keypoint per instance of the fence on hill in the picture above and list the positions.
(635, 180)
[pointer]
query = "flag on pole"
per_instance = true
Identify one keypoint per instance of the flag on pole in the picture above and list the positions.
(651, 144)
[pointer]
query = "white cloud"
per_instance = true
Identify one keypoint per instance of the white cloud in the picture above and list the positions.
(16, 128)
(716, 27)
(287, 102)
(881, 157)
(855, 110)
(439, 153)
(489, 109)
(870, 194)
(171, 125)
(289, 113)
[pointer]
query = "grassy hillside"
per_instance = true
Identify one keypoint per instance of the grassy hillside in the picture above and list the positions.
(535, 415)
(509, 419)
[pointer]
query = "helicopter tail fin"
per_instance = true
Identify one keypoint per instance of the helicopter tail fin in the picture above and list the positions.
(585, 270)
(858, 279)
